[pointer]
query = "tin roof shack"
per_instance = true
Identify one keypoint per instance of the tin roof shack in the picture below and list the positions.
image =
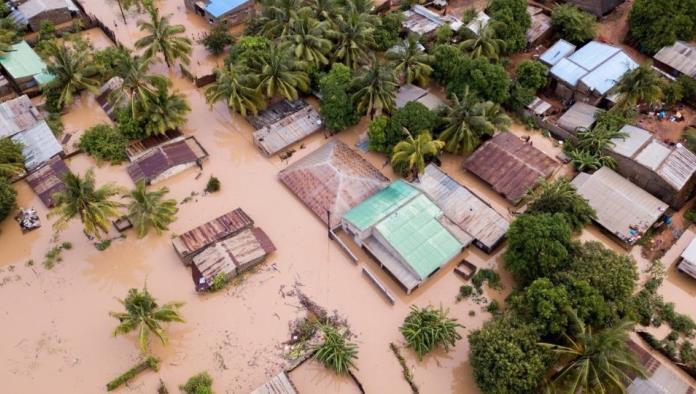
(25, 69)
(510, 165)
(283, 124)
(478, 23)
(32, 12)
(332, 180)
(423, 21)
(540, 30)
(464, 208)
(142, 147)
(667, 172)
(48, 179)
(578, 117)
(408, 93)
(623, 209)
(192, 242)
(596, 7)
(166, 161)
(230, 257)
(679, 58)
(589, 73)
(279, 384)
(662, 378)
(687, 261)
(38, 145)
(406, 232)
(230, 12)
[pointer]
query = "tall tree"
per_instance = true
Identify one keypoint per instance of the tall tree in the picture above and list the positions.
(234, 85)
(410, 61)
(73, 71)
(468, 120)
(82, 198)
(165, 38)
(145, 315)
(573, 24)
(485, 44)
(166, 111)
(376, 89)
(11, 158)
(337, 108)
(126, 5)
(354, 38)
(149, 209)
(641, 85)
(139, 87)
(279, 73)
(560, 196)
(412, 155)
(277, 15)
(306, 38)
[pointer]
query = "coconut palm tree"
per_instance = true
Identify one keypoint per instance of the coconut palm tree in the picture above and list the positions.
(353, 39)
(323, 10)
(163, 37)
(424, 329)
(410, 62)
(11, 158)
(236, 87)
(279, 73)
(150, 209)
(166, 111)
(73, 71)
(485, 44)
(139, 5)
(277, 16)
(360, 6)
(468, 120)
(412, 155)
(594, 362)
(305, 38)
(376, 90)
(145, 315)
(641, 85)
(560, 196)
(336, 352)
(138, 87)
(93, 205)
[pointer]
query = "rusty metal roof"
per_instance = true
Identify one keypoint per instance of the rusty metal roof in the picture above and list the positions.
(149, 167)
(227, 225)
(509, 165)
(48, 179)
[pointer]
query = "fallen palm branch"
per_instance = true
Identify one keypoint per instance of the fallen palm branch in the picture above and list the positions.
(149, 363)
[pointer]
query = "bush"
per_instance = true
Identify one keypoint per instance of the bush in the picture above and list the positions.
(198, 384)
(465, 292)
(573, 24)
(337, 108)
(218, 39)
(377, 135)
(424, 329)
(220, 281)
(213, 185)
(387, 34)
(657, 23)
(532, 74)
(486, 275)
(8, 198)
(336, 353)
(545, 304)
(511, 22)
(104, 143)
(414, 117)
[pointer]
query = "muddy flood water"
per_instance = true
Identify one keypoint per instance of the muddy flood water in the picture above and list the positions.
(56, 331)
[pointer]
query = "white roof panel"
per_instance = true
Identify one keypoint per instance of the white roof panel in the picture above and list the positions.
(604, 77)
(653, 155)
(593, 54)
(568, 72)
(689, 254)
(634, 140)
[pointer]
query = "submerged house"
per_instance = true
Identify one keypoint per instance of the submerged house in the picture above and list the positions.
(586, 74)
(193, 242)
(623, 209)
(668, 172)
(332, 180)
(32, 12)
(464, 208)
(230, 257)
(420, 20)
(167, 160)
(25, 69)
(279, 384)
(662, 378)
(48, 179)
(284, 124)
(408, 93)
(679, 58)
(510, 165)
(230, 12)
(103, 97)
(596, 7)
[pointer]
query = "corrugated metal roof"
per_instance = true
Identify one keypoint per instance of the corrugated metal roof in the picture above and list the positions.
(16, 115)
(620, 205)
(635, 139)
(48, 180)
(580, 115)
(463, 207)
(689, 254)
(538, 106)
(681, 56)
(479, 22)
(604, 77)
(653, 154)
(38, 145)
(408, 93)
(279, 384)
(593, 54)
(32, 8)
(431, 101)
(679, 167)
(421, 20)
(558, 51)
(568, 72)
(541, 23)
(22, 62)
(159, 161)
(334, 178)
(282, 127)
(380, 205)
(195, 240)
(217, 8)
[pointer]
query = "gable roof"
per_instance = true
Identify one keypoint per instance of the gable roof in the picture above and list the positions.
(421, 20)
(283, 124)
(195, 240)
(509, 165)
(38, 144)
(22, 62)
(334, 178)
(580, 115)
(681, 56)
(158, 161)
(556, 52)
(17, 115)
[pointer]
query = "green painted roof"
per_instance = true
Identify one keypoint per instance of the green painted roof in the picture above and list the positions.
(379, 205)
(23, 62)
(416, 234)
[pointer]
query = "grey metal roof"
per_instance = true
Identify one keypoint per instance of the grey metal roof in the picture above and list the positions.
(16, 115)
(681, 56)
(32, 8)
(679, 167)
(408, 93)
(38, 145)
(423, 21)
(620, 205)
(580, 115)
(635, 140)
(479, 22)
(283, 124)
(279, 384)
(558, 51)
(689, 254)
(538, 106)
(653, 154)
(541, 23)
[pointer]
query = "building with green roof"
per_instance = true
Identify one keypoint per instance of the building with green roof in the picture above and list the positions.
(405, 231)
(24, 67)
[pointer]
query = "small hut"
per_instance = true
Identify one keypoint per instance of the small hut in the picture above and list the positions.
(284, 124)
(166, 161)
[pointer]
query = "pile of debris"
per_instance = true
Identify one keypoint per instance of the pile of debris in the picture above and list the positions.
(28, 219)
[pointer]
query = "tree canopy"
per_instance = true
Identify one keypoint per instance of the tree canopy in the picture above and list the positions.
(560, 196)
(572, 24)
(337, 108)
(657, 23)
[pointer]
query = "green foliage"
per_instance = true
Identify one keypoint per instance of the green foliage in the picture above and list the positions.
(377, 135)
(465, 292)
(410, 156)
(11, 158)
(425, 329)
(532, 74)
(66, 245)
(219, 282)
(149, 363)
(506, 358)
(690, 215)
(247, 48)
(150, 209)
(201, 383)
(415, 117)
(108, 62)
(519, 97)
(538, 246)
(375, 89)
(690, 138)
(336, 352)
(486, 275)
(493, 307)
(103, 245)
(511, 21)
(55, 123)
(639, 86)
(161, 37)
(213, 185)
(47, 30)
(336, 107)
(560, 196)
(654, 24)
(545, 304)
(387, 33)
(104, 143)
(589, 152)
(486, 80)
(52, 257)
(573, 24)
(218, 39)
(444, 34)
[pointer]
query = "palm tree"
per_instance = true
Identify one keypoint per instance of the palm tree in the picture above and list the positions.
(95, 206)
(485, 44)
(165, 38)
(235, 86)
(641, 85)
(427, 328)
(411, 63)
(376, 90)
(150, 209)
(353, 39)
(277, 16)
(11, 158)
(146, 316)
(468, 120)
(279, 73)
(560, 196)
(125, 5)
(595, 362)
(73, 71)
(138, 87)
(411, 155)
(336, 352)
(360, 6)
(166, 111)
(324, 10)
(305, 39)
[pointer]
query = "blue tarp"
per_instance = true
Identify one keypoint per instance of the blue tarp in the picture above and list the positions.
(217, 8)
